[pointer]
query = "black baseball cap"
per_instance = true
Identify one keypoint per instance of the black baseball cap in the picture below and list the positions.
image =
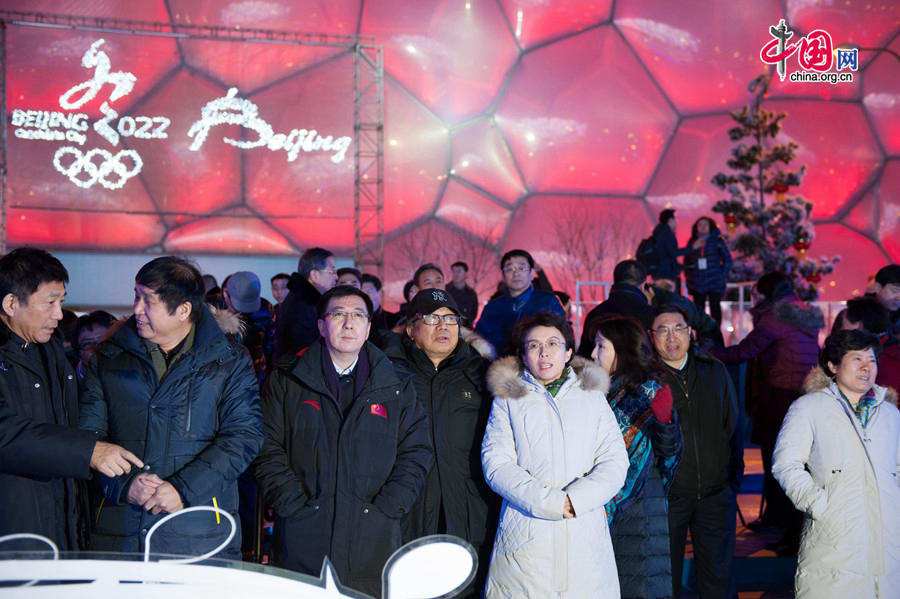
(429, 300)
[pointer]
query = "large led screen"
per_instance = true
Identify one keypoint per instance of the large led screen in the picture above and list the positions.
(132, 142)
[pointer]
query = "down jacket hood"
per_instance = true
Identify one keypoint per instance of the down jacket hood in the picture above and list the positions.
(478, 343)
(793, 312)
(504, 377)
(817, 380)
(228, 321)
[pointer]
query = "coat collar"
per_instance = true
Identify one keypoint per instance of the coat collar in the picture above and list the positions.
(305, 291)
(817, 381)
(505, 379)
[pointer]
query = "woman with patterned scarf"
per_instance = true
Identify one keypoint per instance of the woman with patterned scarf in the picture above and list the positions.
(638, 514)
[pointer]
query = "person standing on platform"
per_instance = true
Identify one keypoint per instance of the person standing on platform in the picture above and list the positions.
(706, 266)
(703, 495)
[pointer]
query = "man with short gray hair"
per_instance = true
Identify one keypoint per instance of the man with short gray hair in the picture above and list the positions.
(41, 448)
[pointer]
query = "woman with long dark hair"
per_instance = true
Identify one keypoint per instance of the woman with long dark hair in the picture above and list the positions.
(553, 452)
(706, 266)
(638, 514)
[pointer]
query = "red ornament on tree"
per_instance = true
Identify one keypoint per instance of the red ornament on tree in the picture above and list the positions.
(801, 245)
(731, 221)
(813, 277)
(780, 190)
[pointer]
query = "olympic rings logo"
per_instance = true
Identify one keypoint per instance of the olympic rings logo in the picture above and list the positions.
(97, 173)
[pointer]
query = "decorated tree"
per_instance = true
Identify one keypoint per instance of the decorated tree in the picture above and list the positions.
(774, 235)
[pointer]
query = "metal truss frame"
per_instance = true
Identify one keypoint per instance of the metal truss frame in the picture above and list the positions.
(368, 107)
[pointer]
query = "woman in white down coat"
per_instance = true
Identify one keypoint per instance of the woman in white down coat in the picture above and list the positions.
(837, 458)
(552, 449)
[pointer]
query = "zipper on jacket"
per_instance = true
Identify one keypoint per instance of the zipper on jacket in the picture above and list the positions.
(687, 398)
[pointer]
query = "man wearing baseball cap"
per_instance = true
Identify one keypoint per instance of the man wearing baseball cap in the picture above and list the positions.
(448, 374)
(242, 295)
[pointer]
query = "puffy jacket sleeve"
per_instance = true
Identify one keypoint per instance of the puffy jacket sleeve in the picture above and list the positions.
(760, 338)
(594, 489)
(509, 480)
(272, 470)
(93, 416)
(792, 451)
(237, 441)
(414, 457)
(40, 449)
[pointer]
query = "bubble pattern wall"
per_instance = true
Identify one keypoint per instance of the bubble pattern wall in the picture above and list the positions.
(560, 127)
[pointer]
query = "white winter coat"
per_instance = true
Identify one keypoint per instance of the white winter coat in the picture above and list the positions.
(844, 478)
(536, 450)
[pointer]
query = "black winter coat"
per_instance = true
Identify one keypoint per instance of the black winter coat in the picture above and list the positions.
(41, 448)
(340, 484)
(708, 413)
(458, 403)
(199, 429)
(297, 324)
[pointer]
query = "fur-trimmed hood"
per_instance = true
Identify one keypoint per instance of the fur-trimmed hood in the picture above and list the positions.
(504, 377)
(793, 312)
(817, 380)
(478, 343)
(230, 322)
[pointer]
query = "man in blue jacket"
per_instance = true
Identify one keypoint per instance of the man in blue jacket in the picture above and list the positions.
(169, 386)
(521, 298)
(346, 448)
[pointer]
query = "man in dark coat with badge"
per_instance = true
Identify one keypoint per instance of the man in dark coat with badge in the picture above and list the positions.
(346, 449)
(41, 448)
(448, 372)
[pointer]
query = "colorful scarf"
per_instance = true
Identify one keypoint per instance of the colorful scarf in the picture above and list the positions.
(863, 407)
(633, 414)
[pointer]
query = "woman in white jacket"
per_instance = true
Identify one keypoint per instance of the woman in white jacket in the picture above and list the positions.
(837, 457)
(552, 449)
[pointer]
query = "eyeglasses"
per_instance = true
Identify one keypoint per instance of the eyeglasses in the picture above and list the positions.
(516, 268)
(88, 344)
(341, 317)
(678, 329)
(433, 319)
(331, 271)
(552, 345)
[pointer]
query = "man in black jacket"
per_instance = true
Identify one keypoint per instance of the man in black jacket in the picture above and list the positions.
(295, 327)
(702, 496)
(346, 449)
(170, 386)
(41, 448)
(449, 379)
(626, 298)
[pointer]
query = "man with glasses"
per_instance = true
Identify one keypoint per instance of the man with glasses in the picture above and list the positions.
(702, 496)
(295, 327)
(448, 372)
(521, 298)
(346, 448)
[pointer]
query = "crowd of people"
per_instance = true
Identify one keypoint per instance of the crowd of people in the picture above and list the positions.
(574, 470)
